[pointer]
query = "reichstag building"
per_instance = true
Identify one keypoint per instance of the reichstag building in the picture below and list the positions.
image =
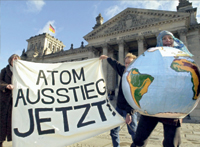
(132, 30)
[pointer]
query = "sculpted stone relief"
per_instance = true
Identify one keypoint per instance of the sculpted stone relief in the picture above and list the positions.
(131, 21)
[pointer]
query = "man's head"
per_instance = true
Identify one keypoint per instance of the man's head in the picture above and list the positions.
(129, 58)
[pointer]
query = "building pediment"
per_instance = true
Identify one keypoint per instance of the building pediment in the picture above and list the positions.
(133, 19)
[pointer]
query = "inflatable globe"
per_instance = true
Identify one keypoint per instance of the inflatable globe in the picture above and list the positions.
(162, 82)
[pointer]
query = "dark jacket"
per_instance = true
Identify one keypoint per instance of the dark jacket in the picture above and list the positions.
(5, 104)
(121, 101)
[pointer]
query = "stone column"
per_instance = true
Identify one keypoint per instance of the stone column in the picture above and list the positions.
(140, 41)
(111, 74)
(105, 64)
(182, 34)
(121, 51)
(120, 54)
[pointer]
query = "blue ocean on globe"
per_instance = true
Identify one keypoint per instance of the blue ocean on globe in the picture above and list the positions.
(162, 82)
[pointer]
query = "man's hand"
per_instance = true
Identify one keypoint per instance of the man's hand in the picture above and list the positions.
(128, 119)
(103, 57)
(10, 86)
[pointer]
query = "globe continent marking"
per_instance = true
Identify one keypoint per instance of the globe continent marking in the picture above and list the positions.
(139, 84)
(183, 65)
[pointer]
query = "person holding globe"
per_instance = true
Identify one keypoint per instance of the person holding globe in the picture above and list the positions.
(171, 126)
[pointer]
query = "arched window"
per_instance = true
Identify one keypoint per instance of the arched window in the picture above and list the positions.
(53, 48)
(39, 45)
(31, 46)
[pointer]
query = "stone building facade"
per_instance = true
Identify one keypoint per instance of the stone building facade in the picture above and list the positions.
(132, 30)
(41, 45)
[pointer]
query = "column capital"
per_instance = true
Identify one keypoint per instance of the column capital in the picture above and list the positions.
(105, 45)
(121, 41)
(182, 31)
(140, 38)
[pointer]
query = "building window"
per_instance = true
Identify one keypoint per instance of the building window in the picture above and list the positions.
(39, 45)
(31, 46)
(53, 48)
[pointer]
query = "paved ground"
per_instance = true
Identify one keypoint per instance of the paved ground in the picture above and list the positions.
(190, 138)
(190, 135)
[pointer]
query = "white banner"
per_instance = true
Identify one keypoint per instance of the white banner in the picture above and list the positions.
(55, 105)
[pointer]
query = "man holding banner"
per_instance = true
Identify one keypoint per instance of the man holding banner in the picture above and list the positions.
(123, 108)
